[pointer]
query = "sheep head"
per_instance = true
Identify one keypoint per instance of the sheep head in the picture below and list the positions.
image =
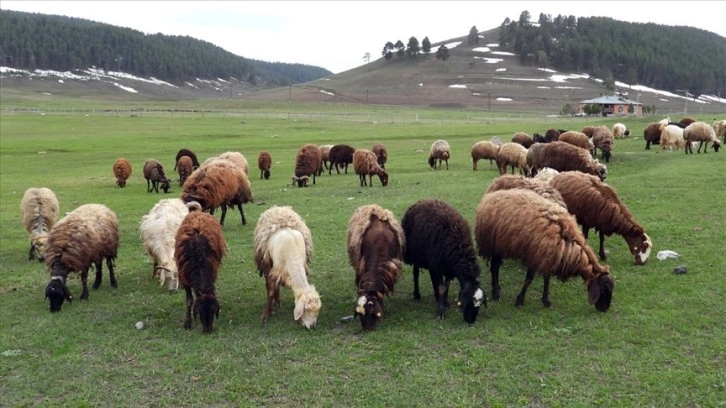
(640, 246)
(57, 292)
(370, 310)
(307, 308)
(266, 174)
(206, 308)
(121, 182)
(165, 185)
(600, 290)
(383, 176)
(432, 161)
(301, 181)
(602, 170)
(716, 145)
(37, 243)
(471, 298)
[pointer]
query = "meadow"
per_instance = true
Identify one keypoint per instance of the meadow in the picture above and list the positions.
(662, 343)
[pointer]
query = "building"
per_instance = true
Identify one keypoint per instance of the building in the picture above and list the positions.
(614, 106)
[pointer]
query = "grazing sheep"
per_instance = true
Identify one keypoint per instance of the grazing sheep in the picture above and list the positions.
(158, 233)
(700, 132)
(537, 184)
(686, 121)
(340, 155)
(40, 210)
(719, 127)
(325, 156)
(546, 174)
(307, 162)
(122, 171)
(283, 247)
(219, 183)
(376, 245)
(484, 150)
(620, 131)
(563, 156)
(438, 238)
(440, 151)
(184, 167)
(651, 134)
(522, 225)
(671, 136)
(199, 247)
(154, 175)
(597, 205)
(186, 152)
(365, 163)
(523, 139)
(264, 163)
(381, 154)
(82, 238)
(236, 158)
(589, 130)
(576, 138)
(603, 139)
(512, 154)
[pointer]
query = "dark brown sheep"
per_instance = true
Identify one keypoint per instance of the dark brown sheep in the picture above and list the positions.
(366, 164)
(264, 163)
(185, 167)
(651, 134)
(563, 156)
(186, 152)
(155, 177)
(307, 162)
(381, 153)
(523, 139)
(219, 183)
(122, 171)
(576, 138)
(340, 155)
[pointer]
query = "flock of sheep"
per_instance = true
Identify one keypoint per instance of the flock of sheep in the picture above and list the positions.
(560, 185)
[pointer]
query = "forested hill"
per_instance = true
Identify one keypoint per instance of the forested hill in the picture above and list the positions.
(31, 41)
(676, 59)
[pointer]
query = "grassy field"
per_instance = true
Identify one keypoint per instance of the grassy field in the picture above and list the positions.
(662, 343)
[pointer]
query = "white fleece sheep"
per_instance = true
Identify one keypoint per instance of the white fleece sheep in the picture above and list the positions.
(620, 131)
(40, 212)
(671, 136)
(157, 232)
(700, 132)
(719, 127)
(512, 154)
(440, 151)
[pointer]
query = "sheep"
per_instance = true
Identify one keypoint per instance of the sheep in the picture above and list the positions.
(538, 184)
(603, 139)
(576, 138)
(236, 158)
(82, 238)
(651, 134)
(522, 225)
(219, 183)
(154, 175)
(264, 163)
(365, 164)
(546, 174)
(551, 135)
(700, 132)
(685, 122)
(719, 127)
(620, 131)
(523, 139)
(40, 210)
(122, 171)
(563, 156)
(158, 233)
(483, 150)
(376, 245)
(307, 162)
(381, 154)
(440, 151)
(671, 136)
(341, 155)
(186, 152)
(438, 238)
(283, 248)
(325, 156)
(597, 205)
(512, 154)
(184, 167)
(199, 247)
(589, 130)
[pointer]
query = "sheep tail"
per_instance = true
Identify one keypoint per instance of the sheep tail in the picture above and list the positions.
(194, 206)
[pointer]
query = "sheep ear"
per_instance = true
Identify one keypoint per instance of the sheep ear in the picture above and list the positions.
(593, 292)
(298, 312)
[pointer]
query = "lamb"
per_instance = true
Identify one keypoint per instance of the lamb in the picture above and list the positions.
(671, 136)
(158, 233)
(719, 127)
(264, 163)
(440, 151)
(483, 150)
(122, 171)
(576, 138)
(236, 158)
(620, 131)
(438, 238)
(651, 134)
(154, 175)
(218, 183)
(283, 247)
(325, 155)
(40, 210)
(700, 132)
(199, 247)
(185, 167)
(563, 156)
(603, 139)
(365, 163)
(597, 205)
(82, 238)
(376, 245)
(340, 155)
(307, 162)
(186, 152)
(522, 225)
(523, 139)
(381, 154)
(512, 154)
(537, 184)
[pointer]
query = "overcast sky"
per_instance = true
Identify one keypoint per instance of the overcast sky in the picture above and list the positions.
(336, 35)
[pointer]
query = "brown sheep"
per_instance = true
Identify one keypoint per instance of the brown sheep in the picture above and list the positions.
(340, 155)
(381, 154)
(122, 171)
(576, 138)
(603, 139)
(325, 156)
(185, 167)
(538, 185)
(719, 127)
(365, 164)
(589, 130)
(700, 132)
(236, 158)
(563, 156)
(219, 183)
(40, 210)
(651, 134)
(686, 121)
(155, 177)
(512, 154)
(523, 139)
(522, 225)
(264, 163)
(199, 247)
(440, 151)
(484, 150)
(186, 152)
(376, 245)
(307, 162)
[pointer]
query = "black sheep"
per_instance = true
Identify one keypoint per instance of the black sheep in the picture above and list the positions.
(186, 152)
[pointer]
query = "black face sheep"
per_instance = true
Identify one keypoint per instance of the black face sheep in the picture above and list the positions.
(283, 247)
(186, 152)
(512, 154)
(552, 135)
(375, 249)
(122, 171)
(440, 151)
(325, 156)
(438, 238)
(184, 167)
(155, 177)
(523, 139)
(236, 158)
(700, 132)
(484, 150)
(340, 155)
(198, 250)
(576, 138)
(563, 156)
(651, 133)
(40, 210)
(84, 237)
(365, 164)
(158, 233)
(307, 162)
(522, 225)
(537, 184)
(603, 139)
(719, 127)
(381, 154)
(264, 163)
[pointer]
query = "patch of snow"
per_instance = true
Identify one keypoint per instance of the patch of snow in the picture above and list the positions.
(492, 45)
(543, 87)
(547, 70)
(503, 53)
(475, 93)
(420, 84)
(457, 86)
(60, 81)
(568, 87)
(5, 70)
(504, 99)
(453, 44)
(713, 98)
(125, 88)
(490, 60)
(525, 79)
(191, 85)
(664, 100)
(481, 49)
(222, 80)
(501, 69)
(326, 92)
(47, 93)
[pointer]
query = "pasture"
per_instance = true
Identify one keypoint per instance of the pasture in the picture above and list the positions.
(662, 343)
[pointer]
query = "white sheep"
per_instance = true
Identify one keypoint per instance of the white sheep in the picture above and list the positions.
(440, 151)
(700, 132)
(719, 127)
(671, 136)
(40, 212)
(620, 131)
(512, 154)
(484, 150)
(157, 232)
(235, 158)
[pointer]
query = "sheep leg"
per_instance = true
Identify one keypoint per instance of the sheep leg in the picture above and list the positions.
(447, 164)
(111, 274)
(443, 301)
(148, 185)
(416, 293)
(313, 177)
(242, 213)
(370, 180)
(224, 213)
(546, 293)
(585, 231)
(337, 168)
(99, 278)
(494, 265)
(362, 178)
(527, 281)
(84, 281)
(32, 251)
(602, 247)
(272, 295)
(189, 303)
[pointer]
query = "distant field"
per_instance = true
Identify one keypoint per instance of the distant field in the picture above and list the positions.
(662, 343)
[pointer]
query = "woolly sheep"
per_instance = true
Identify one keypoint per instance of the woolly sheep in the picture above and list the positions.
(651, 134)
(307, 162)
(603, 139)
(700, 132)
(122, 171)
(538, 185)
(236, 158)
(523, 139)
(158, 233)
(381, 154)
(520, 224)
(551, 135)
(188, 153)
(84, 237)
(283, 248)
(546, 174)
(620, 131)
(219, 183)
(376, 245)
(512, 154)
(483, 150)
(576, 138)
(563, 156)
(40, 210)
(719, 127)
(184, 167)
(365, 163)
(671, 136)
(155, 177)
(341, 155)
(325, 155)
(264, 163)
(440, 151)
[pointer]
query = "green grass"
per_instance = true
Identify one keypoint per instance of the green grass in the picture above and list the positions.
(662, 342)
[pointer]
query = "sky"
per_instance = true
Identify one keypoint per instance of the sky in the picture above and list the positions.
(336, 35)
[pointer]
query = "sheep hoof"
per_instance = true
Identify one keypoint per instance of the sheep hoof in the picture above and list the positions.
(547, 303)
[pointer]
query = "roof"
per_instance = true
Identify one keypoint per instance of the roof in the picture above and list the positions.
(612, 100)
